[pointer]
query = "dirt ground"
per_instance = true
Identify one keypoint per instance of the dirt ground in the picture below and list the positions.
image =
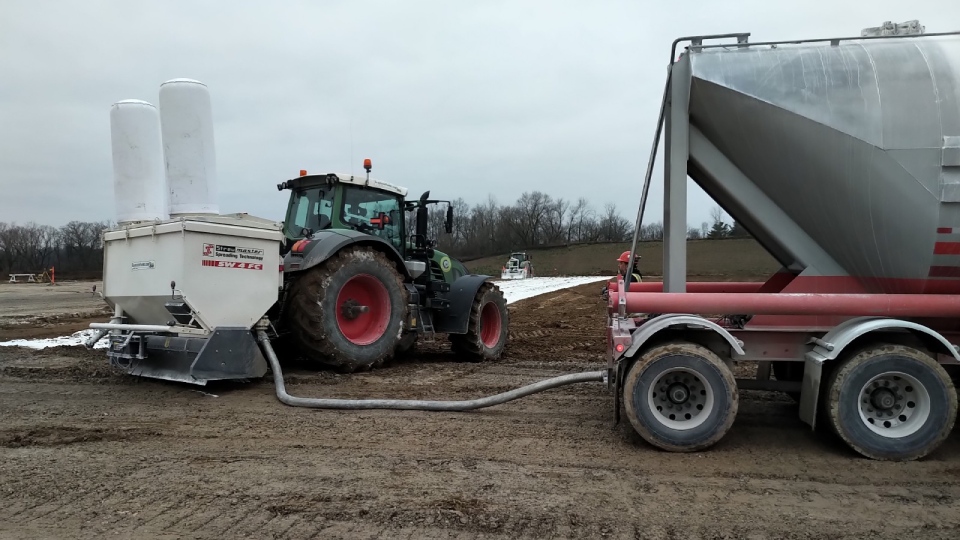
(87, 452)
(33, 310)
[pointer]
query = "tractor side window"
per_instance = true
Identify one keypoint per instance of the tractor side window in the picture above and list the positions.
(373, 212)
(312, 209)
(302, 207)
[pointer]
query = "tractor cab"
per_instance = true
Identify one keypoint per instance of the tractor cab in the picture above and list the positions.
(336, 201)
(372, 207)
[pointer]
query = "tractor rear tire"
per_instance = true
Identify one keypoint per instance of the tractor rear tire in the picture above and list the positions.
(487, 328)
(348, 312)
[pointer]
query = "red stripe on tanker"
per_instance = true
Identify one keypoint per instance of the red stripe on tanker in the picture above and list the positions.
(946, 248)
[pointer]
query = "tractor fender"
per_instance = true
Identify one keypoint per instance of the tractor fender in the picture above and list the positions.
(832, 344)
(324, 244)
(454, 319)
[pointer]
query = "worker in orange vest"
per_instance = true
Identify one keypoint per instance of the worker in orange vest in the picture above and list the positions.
(635, 276)
(622, 262)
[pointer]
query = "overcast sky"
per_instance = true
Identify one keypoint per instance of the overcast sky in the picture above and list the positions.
(467, 99)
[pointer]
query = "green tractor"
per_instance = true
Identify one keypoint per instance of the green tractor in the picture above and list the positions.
(360, 286)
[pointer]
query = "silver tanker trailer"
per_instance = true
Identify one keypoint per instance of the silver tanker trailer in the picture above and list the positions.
(842, 158)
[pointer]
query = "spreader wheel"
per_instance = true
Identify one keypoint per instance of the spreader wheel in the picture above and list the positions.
(680, 397)
(348, 312)
(891, 402)
(487, 329)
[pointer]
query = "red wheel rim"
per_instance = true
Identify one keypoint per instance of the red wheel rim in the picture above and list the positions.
(490, 325)
(363, 328)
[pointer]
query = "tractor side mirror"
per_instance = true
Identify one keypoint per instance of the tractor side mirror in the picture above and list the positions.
(449, 223)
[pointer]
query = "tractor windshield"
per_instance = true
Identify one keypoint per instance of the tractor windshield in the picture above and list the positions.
(373, 212)
(311, 209)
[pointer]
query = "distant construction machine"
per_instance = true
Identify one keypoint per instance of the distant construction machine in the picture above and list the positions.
(519, 266)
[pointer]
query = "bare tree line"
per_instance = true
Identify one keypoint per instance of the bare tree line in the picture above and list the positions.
(538, 220)
(73, 249)
(535, 220)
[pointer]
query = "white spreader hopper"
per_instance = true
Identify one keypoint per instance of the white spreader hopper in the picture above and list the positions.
(202, 283)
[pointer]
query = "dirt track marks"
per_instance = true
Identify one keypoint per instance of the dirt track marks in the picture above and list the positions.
(64, 435)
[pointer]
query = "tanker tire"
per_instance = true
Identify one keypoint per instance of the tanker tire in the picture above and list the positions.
(313, 314)
(472, 346)
(930, 395)
(655, 385)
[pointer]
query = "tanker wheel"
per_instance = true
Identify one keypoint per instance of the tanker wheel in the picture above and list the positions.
(488, 326)
(680, 397)
(891, 402)
(348, 312)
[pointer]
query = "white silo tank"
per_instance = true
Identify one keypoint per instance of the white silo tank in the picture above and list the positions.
(186, 120)
(139, 187)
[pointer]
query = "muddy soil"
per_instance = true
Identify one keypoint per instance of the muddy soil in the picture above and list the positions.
(86, 452)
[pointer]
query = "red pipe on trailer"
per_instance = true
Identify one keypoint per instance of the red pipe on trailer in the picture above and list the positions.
(886, 305)
(695, 286)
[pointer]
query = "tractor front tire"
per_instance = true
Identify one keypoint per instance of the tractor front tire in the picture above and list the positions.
(348, 312)
(487, 328)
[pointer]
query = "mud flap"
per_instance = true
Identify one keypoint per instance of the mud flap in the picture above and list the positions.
(616, 403)
(618, 374)
(810, 391)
